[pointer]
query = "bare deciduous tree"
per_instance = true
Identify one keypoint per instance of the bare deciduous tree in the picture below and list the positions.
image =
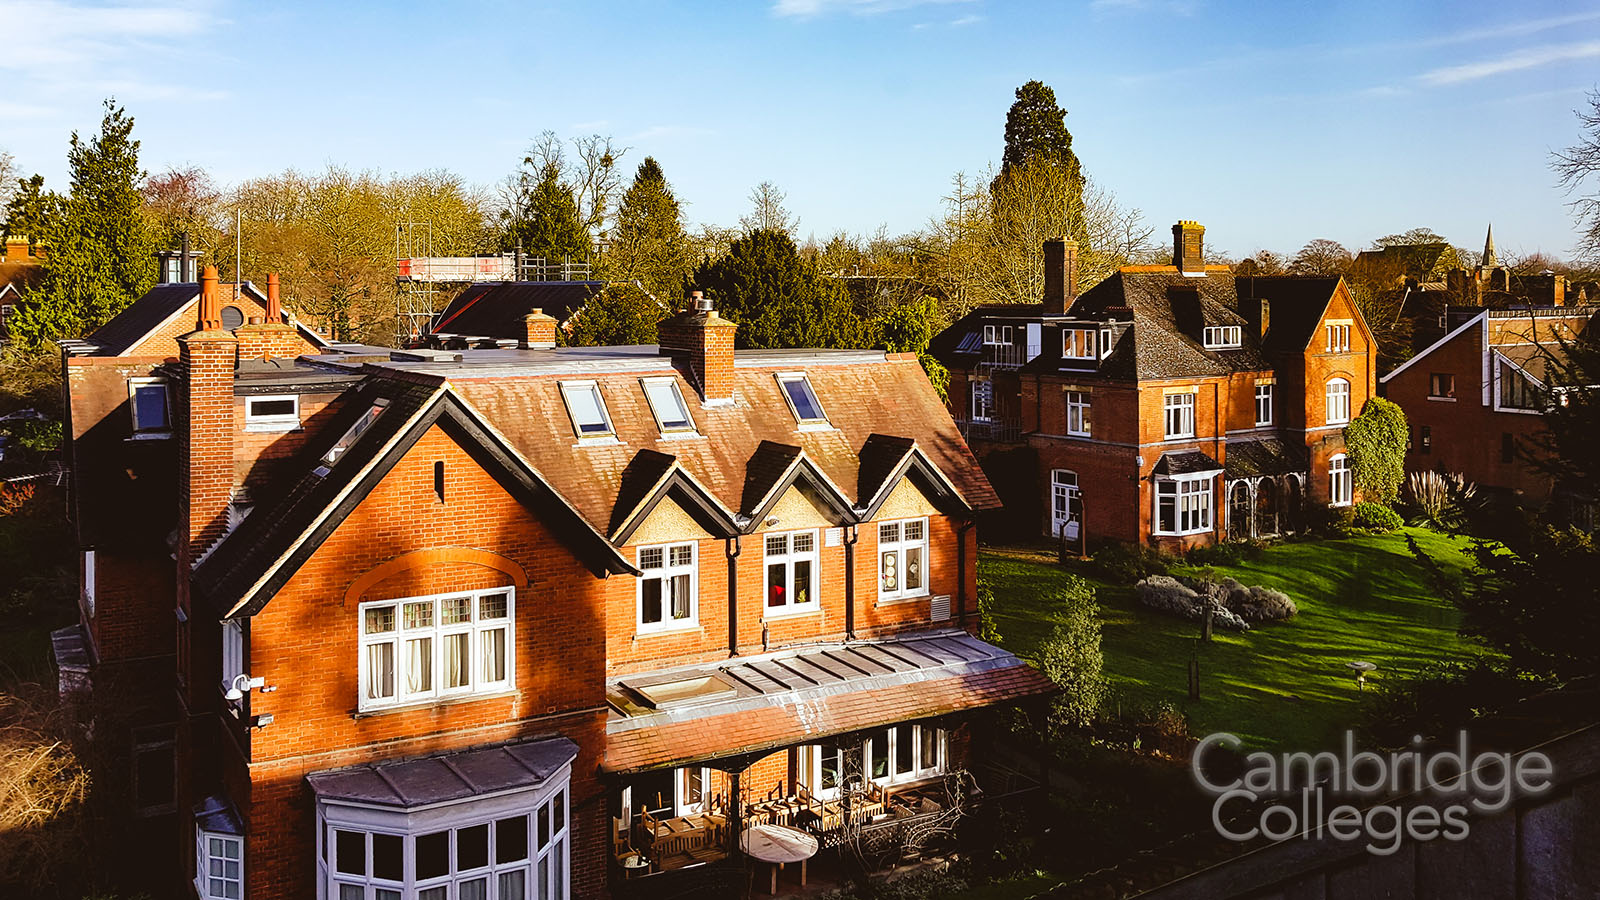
(1574, 167)
(1321, 257)
(8, 176)
(768, 211)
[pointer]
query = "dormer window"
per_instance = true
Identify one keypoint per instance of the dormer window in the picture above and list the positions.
(1078, 343)
(802, 400)
(666, 402)
(587, 408)
(147, 400)
(997, 334)
(354, 432)
(1223, 337)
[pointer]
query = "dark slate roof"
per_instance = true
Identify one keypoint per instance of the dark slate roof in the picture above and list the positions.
(143, 316)
(1295, 306)
(496, 309)
(1270, 456)
(1170, 310)
(965, 335)
(410, 783)
(217, 815)
(766, 468)
(1185, 462)
(881, 456)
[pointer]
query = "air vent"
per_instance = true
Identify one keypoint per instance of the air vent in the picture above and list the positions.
(940, 607)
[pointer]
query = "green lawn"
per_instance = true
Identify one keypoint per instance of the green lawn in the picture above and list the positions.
(1282, 685)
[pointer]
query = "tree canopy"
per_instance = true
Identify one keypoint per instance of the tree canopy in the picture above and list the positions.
(1377, 442)
(1575, 168)
(552, 229)
(777, 298)
(1036, 132)
(649, 244)
(620, 315)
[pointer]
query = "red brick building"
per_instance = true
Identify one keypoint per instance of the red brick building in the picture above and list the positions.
(1172, 405)
(1475, 398)
(497, 623)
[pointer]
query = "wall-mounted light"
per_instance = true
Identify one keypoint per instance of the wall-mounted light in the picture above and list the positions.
(772, 520)
(240, 685)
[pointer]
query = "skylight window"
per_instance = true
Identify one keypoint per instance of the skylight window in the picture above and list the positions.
(587, 408)
(802, 399)
(355, 432)
(666, 401)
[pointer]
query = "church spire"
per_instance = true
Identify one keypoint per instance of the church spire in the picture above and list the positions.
(1489, 259)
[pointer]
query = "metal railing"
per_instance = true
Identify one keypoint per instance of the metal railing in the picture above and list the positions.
(998, 429)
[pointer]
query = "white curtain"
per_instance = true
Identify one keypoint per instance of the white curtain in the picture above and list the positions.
(419, 665)
(457, 651)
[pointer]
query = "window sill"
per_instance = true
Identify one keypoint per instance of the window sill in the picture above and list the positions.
(151, 436)
(779, 612)
(598, 441)
(1339, 504)
(686, 628)
(816, 426)
(451, 700)
(681, 435)
(271, 427)
(1160, 534)
(1079, 434)
(901, 601)
(1442, 399)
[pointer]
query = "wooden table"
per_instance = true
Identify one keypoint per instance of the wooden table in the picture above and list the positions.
(778, 846)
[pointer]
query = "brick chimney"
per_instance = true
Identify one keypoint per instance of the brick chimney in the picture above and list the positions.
(539, 331)
(205, 430)
(269, 337)
(700, 343)
(1188, 247)
(1060, 275)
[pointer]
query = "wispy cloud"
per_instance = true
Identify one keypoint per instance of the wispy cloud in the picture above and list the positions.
(1509, 29)
(964, 21)
(810, 9)
(1526, 58)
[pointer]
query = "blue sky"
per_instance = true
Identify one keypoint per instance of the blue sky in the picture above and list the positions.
(1270, 123)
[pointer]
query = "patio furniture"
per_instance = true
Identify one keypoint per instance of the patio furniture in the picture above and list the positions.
(778, 846)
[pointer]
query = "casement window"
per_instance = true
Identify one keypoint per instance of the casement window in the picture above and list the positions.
(982, 400)
(1264, 404)
(1184, 505)
(1078, 343)
(822, 770)
(1338, 401)
(521, 856)
(902, 559)
(1105, 342)
(425, 648)
(1441, 385)
(904, 753)
(1223, 337)
(1513, 390)
(233, 664)
(1425, 438)
(219, 865)
(88, 582)
(587, 408)
(354, 432)
(1338, 338)
(997, 334)
(1341, 485)
(1179, 410)
(149, 406)
(272, 413)
(668, 587)
(802, 400)
(1078, 413)
(666, 402)
(791, 562)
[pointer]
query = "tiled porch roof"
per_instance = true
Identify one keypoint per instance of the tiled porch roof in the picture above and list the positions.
(447, 777)
(758, 704)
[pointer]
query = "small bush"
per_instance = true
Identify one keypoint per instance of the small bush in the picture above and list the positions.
(1071, 657)
(1230, 553)
(1441, 501)
(1262, 604)
(1375, 518)
(1124, 563)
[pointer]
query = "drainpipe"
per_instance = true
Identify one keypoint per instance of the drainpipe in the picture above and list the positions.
(851, 535)
(732, 549)
(961, 572)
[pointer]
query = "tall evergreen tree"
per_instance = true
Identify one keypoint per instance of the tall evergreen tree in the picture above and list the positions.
(1036, 132)
(100, 251)
(649, 244)
(32, 211)
(778, 299)
(552, 227)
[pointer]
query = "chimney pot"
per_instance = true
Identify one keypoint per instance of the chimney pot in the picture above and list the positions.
(210, 317)
(274, 303)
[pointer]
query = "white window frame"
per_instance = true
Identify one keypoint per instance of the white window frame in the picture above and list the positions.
(1264, 392)
(233, 661)
(1505, 373)
(811, 758)
(571, 388)
(272, 422)
(820, 421)
(1336, 401)
(667, 572)
(1105, 342)
(134, 386)
(1079, 343)
(991, 334)
(1341, 481)
(1194, 503)
(204, 882)
(549, 805)
(684, 804)
(982, 403)
(1179, 414)
(897, 734)
(1079, 406)
(788, 559)
(671, 385)
(353, 434)
(1338, 338)
(88, 581)
(1223, 337)
(899, 546)
(1433, 384)
(479, 628)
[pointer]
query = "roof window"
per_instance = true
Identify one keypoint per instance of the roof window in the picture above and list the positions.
(587, 408)
(802, 399)
(354, 432)
(666, 401)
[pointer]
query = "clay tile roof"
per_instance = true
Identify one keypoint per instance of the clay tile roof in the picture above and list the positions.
(766, 468)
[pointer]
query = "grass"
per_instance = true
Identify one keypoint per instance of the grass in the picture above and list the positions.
(1281, 685)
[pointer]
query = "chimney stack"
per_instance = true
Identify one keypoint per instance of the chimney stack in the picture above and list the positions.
(210, 317)
(1060, 275)
(1188, 247)
(540, 331)
(700, 343)
(267, 336)
(205, 478)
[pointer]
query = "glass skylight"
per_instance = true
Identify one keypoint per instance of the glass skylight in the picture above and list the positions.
(587, 408)
(802, 399)
(666, 401)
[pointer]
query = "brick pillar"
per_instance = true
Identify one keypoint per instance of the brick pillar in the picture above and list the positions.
(700, 343)
(205, 432)
(540, 331)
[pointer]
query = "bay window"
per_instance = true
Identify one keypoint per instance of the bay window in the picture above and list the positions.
(1183, 505)
(791, 564)
(419, 649)
(667, 587)
(902, 559)
(219, 865)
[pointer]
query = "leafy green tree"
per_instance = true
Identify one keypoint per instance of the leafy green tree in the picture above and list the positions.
(1377, 441)
(1036, 133)
(1071, 656)
(100, 251)
(32, 212)
(552, 228)
(908, 328)
(778, 299)
(620, 315)
(649, 244)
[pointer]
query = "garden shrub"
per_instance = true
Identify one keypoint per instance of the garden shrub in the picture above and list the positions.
(1376, 440)
(1441, 501)
(1124, 563)
(1164, 593)
(1375, 517)
(1071, 656)
(1229, 553)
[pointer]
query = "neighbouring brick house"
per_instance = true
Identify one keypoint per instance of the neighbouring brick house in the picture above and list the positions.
(1172, 405)
(1475, 398)
(492, 623)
